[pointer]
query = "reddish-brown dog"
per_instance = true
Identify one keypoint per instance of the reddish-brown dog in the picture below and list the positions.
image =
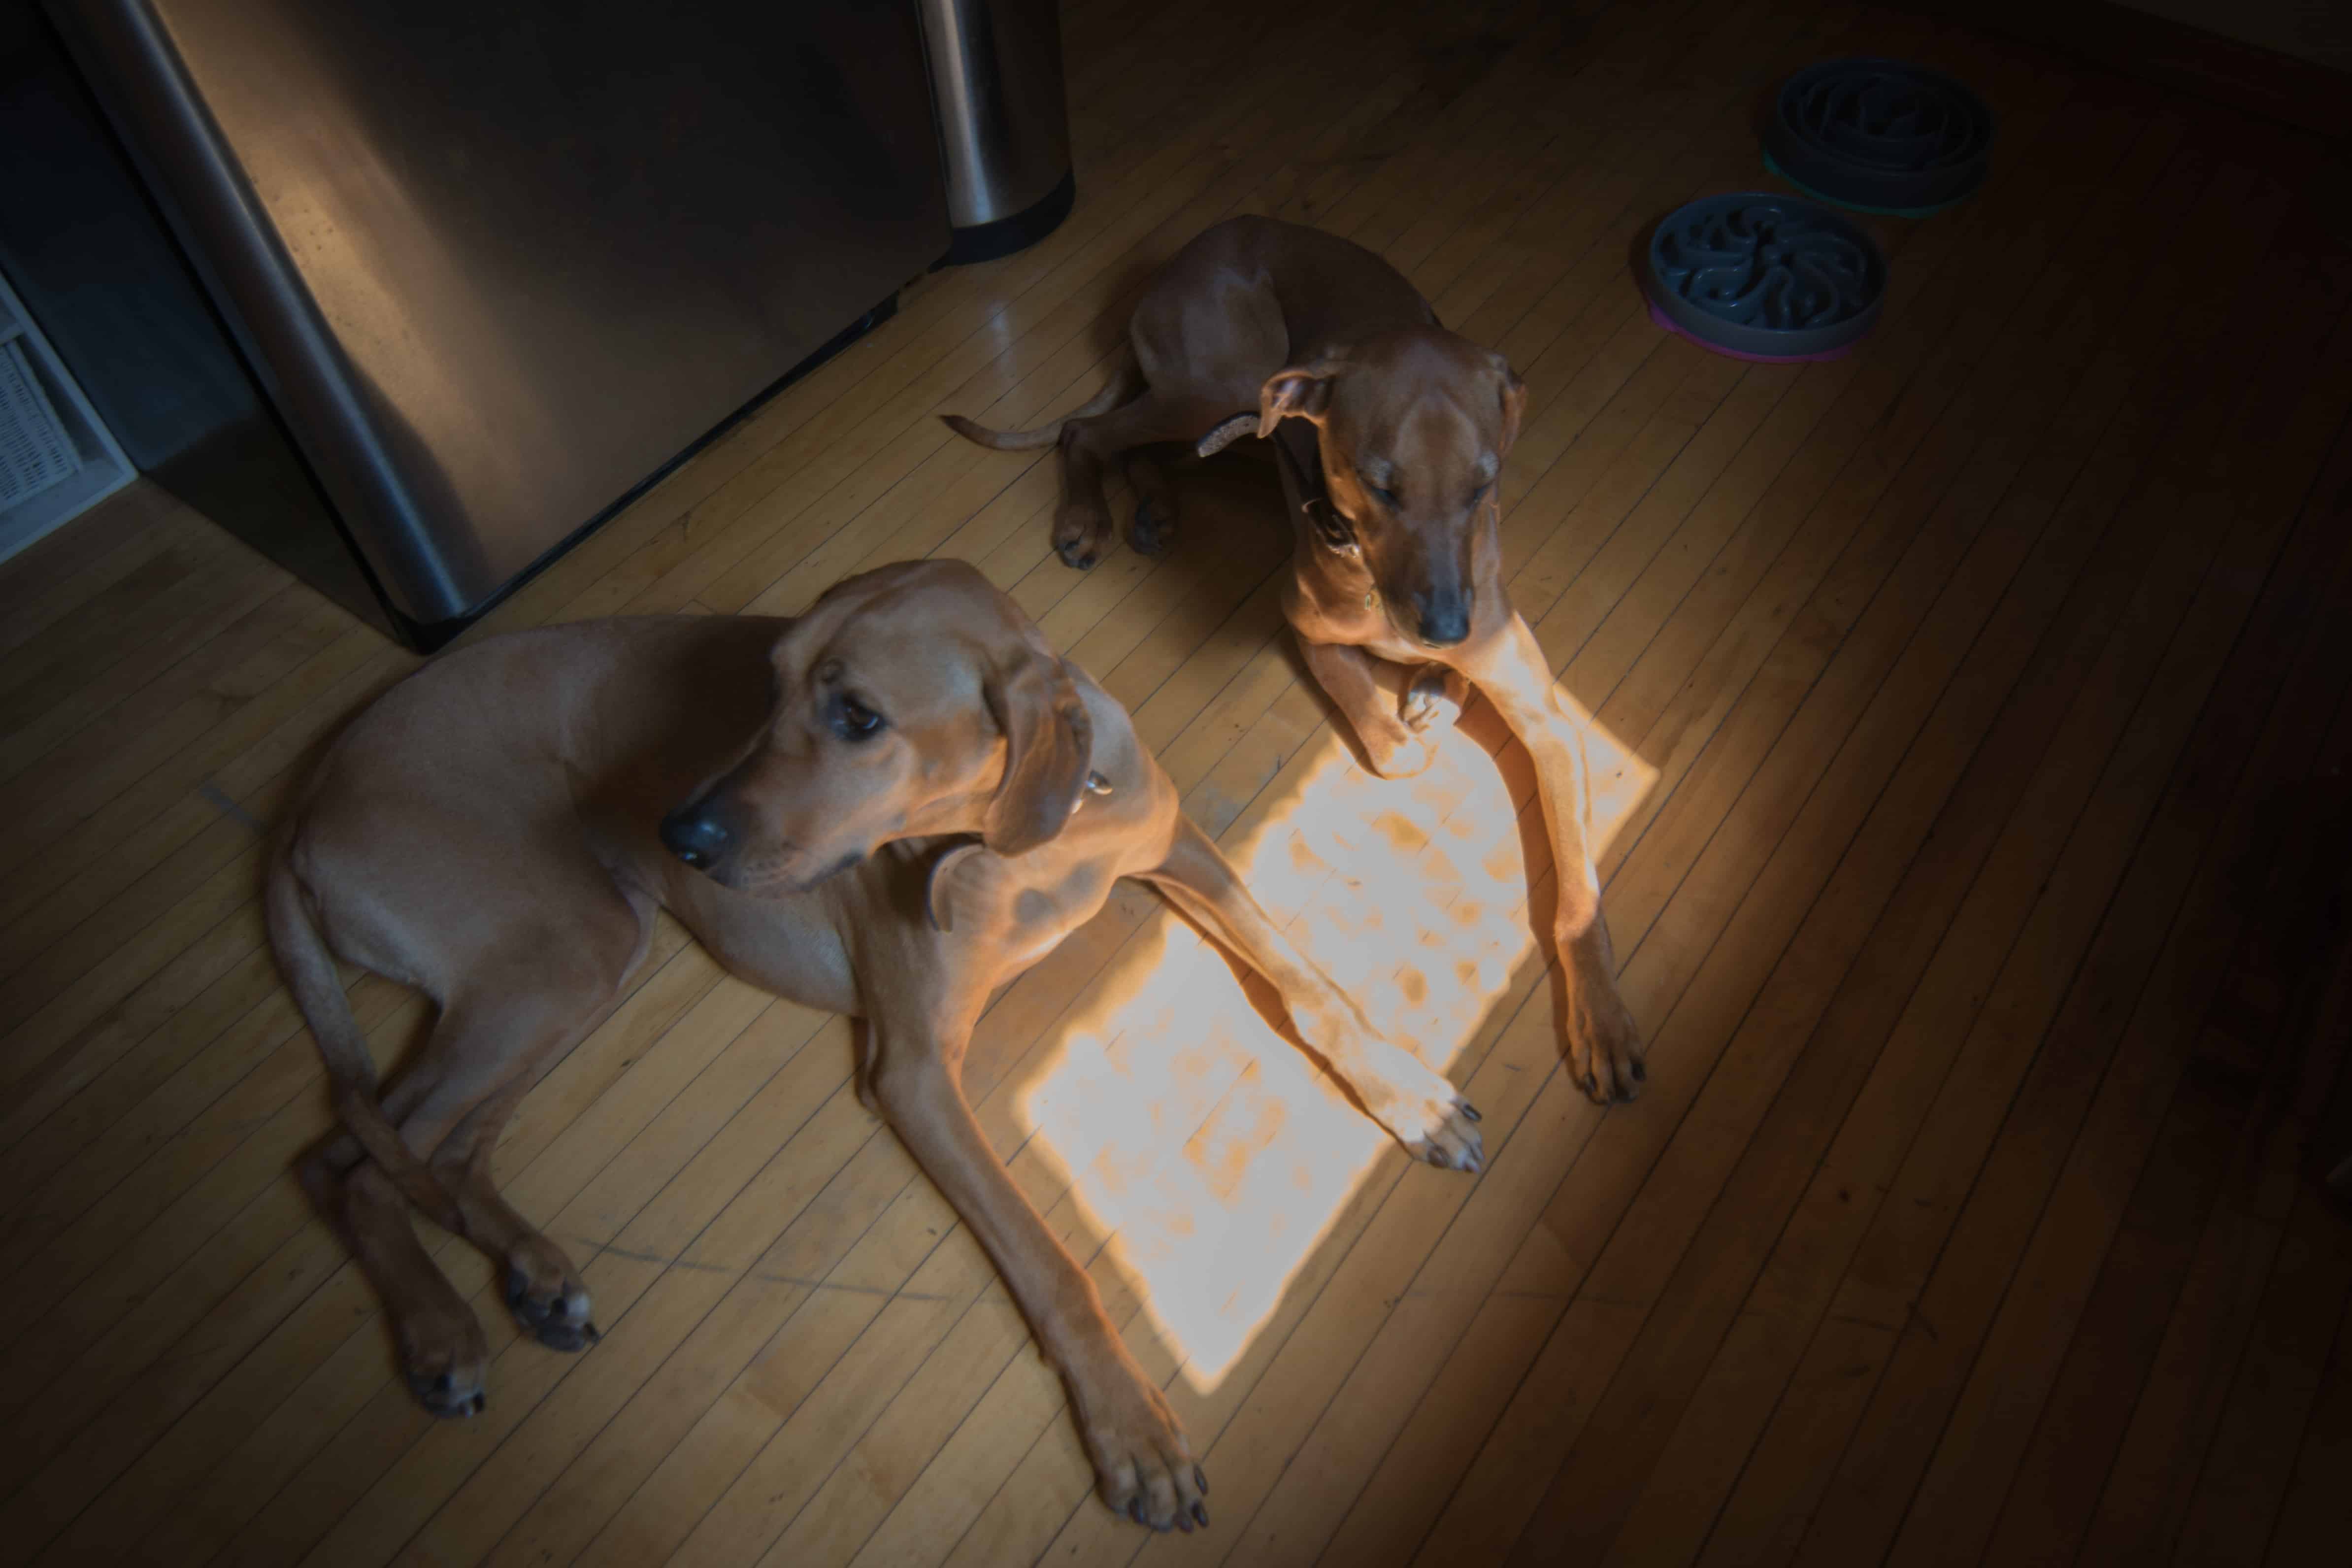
(1398, 556)
(888, 807)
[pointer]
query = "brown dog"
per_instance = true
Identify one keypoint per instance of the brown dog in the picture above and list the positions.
(1398, 555)
(888, 807)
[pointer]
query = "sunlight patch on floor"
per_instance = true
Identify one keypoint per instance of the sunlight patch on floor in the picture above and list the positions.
(1213, 1152)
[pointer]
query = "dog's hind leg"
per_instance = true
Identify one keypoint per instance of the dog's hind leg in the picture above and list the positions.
(1082, 527)
(542, 1289)
(520, 1013)
(443, 1354)
(513, 1025)
(1154, 527)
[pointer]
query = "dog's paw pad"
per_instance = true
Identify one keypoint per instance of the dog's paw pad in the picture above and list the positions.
(1433, 704)
(1143, 1466)
(1605, 1056)
(1449, 1138)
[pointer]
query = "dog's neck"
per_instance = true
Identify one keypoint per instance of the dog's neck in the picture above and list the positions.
(1298, 448)
(1337, 554)
(1332, 530)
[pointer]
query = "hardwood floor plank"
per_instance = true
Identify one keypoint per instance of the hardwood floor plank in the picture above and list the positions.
(1581, 1514)
(1701, 991)
(2118, 1347)
(56, 576)
(1963, 1287)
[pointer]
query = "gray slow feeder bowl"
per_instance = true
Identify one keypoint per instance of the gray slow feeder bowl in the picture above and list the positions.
(1764, 277)
(1885, 136)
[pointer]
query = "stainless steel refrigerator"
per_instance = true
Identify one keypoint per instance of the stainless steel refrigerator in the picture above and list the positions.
(490, 267)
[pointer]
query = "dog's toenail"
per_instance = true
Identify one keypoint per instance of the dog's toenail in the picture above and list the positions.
(1202, 1481)
(480, 1403)
(443, 1385)
(1592, 1083)
(1437, 1158)
(1641, 1072)
(1471, 1111)
(1199, 1512)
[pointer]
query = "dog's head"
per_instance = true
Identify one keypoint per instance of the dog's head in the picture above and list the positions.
(916, 698)
(1415, 425)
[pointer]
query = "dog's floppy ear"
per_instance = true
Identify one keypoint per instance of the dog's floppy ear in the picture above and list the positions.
(1303, 390)
(1048, 739)
(1515, 404)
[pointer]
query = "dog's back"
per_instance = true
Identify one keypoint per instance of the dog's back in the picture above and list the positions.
(1327, 286)
(493, 756)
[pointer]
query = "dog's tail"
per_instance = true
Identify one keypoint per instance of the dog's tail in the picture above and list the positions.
(1126, 381)
(309, 973)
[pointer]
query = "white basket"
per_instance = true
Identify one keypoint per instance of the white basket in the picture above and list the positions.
(35, 453)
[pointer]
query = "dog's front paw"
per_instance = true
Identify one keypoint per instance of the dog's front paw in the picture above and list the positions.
(1143, 1464)
(1424, 1111)
(1442, 1130)
(1605, 1052)
(444, 1359)
(1397, 752)
(1434, 700)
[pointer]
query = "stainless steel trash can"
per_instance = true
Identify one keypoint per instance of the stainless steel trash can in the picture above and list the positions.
(1004, 122)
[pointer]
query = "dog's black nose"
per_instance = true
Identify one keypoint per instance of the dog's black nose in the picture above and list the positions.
(1444, 618)
(696, 836)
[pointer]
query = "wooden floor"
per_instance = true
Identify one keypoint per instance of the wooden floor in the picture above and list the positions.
(1977, 715)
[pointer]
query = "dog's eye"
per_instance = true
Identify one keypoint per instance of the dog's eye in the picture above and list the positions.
(853, 720)
(1388, 498)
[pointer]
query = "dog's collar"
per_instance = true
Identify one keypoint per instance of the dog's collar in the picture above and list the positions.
(1328, 524)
